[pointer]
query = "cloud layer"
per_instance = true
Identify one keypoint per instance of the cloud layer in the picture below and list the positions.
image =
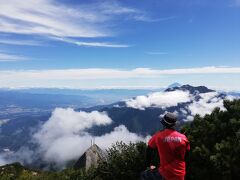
(139, 78)
(206, 104)
(2, 160)
(201, 103)
(20, 42)
(53, 20)
(159, 99)
(63, 137)
(98, 73)
(10, 57)
(24, 78)
(4, 121)
(50, 18)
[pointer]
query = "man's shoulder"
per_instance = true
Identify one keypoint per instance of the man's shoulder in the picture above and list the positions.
(179, 134)
(183, 136)
(159, 132)
(175, 133)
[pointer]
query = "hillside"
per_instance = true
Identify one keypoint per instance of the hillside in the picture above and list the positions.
(51, 141)
(145, 120)
(213, 154)
(16, 171)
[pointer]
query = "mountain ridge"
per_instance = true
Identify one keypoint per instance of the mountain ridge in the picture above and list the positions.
(141, 121)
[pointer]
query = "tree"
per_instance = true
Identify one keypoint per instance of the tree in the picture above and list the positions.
(215, 144)
(215, 153)
(123, 162)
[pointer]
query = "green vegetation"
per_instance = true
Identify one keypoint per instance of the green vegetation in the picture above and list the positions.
(215, 153)
(124, 162)
(215, 144)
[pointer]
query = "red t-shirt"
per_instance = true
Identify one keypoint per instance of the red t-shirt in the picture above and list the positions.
(172, 147)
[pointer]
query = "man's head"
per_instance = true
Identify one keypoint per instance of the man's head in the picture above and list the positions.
(169, 120)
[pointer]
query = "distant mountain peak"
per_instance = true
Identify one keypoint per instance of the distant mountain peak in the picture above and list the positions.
(173, 85)
(191, 89)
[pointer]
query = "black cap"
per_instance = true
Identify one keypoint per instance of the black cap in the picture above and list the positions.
(169, 120)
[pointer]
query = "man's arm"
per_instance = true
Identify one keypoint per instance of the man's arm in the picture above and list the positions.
(152, 146)
(187, 156)
(149, 154)
(187, 150)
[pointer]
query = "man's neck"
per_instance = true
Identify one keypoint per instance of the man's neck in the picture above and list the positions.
(171, 128)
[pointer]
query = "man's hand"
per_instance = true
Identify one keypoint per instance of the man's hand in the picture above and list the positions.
(152, 167)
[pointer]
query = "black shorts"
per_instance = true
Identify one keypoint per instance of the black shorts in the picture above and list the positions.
(151, 175)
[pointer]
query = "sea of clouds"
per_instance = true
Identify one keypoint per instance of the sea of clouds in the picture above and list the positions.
(65, 137)
(203, 105)
(159, 99)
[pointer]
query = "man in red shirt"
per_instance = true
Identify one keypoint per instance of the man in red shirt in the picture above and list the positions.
(172, 148)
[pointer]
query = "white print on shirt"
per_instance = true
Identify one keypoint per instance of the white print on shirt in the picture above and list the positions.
(172, 139)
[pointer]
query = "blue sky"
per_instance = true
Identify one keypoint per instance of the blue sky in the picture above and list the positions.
(119, 44)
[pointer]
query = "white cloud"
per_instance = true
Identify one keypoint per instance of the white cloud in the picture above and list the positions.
(80, 78)
(52, 19)
(231, 97)
(67, 121)
(100, 44)
(145, 18)
(91, 44)
(69, 147)
(189, 118)
(24, 155)
(4, 156)
(115, 8)
(202, 106)
(10, 57)
(159, 99)
(63, 137)
(201, 70)
(119, 133)
(183, 111)
(98, 73)
(47, 17)
(20, 42)
(4, 121)
(206, 104)
(3, 161)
